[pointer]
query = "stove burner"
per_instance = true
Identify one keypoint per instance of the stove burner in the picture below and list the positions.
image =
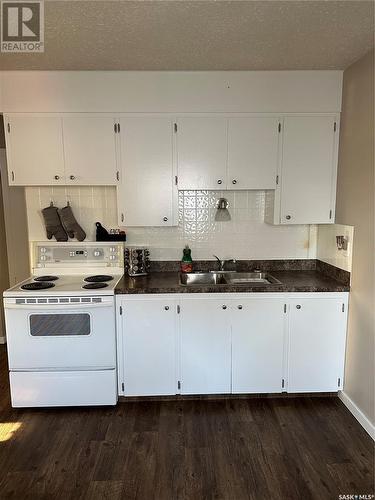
(37, 286)
(46, 278)
(90, 286)
(98, 278)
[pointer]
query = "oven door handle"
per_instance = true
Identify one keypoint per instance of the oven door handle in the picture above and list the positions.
(62, 307)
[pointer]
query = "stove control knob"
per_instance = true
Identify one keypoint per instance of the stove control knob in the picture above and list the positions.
(97, 253)
(43, 257)
(71, 254)
(43, 250)
(112, 257)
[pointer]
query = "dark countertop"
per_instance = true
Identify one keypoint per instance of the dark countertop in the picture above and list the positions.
(291, 281)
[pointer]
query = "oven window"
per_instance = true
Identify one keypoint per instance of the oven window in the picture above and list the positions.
(54, 325)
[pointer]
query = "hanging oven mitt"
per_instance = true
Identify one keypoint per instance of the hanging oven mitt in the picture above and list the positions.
(70, 224)
(53, 224)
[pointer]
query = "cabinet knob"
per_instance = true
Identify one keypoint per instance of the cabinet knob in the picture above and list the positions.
(239, 306)
(57, 177)
(219, 181)
(224, 307)
(166, 308)
(298, 306)
(234, 181)
(288, 217)
(165, 219)
(72, 177)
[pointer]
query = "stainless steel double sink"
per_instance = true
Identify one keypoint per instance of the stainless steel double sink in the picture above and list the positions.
(227, 278)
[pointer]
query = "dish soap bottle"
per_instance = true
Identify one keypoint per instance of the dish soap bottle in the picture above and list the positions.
(187, 261)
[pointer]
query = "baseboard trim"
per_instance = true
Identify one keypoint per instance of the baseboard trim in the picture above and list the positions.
(3, 340)
(358, 414)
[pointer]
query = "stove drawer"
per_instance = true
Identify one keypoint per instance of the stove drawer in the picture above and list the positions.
(76, 388)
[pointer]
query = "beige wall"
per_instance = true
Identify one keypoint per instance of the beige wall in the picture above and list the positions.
(355, 206)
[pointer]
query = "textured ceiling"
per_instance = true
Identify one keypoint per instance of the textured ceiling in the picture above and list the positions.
(201, 35)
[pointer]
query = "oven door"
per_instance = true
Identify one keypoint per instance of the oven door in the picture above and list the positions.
(54, 335)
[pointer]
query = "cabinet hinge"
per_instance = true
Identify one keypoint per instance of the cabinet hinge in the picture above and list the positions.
(118, 128)
(175, 180)
(118, 175)
(122, 217)
(330, 214)
(334, 126)
(277, 180)
(338, 382)
(12, 176)
(343, 308)
(175, 127)
(115, 127)
(178, 309)
(285, 308)
(123, 387)
(279, 128)
(179, 384)
(8, 126)
(120, 310)
(282, 383)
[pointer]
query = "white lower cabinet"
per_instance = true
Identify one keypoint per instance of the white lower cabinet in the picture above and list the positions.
(205, 346)
(317, 335)
(231, 343)
(148, 346)
(257, 345)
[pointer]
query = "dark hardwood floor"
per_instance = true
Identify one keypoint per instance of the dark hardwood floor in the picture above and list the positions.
(295, 448)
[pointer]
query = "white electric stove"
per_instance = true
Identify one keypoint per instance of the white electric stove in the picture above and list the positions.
(60, 326)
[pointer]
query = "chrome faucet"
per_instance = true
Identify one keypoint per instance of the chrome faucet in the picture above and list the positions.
(223, 262)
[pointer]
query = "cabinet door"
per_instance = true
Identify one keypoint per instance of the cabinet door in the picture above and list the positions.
(205, 346)
(308, 175)
(317, 332)
(202, 152)
(34, 150)
(90, 150)
(149, 347)
(145, 196)
(257, 345)
(253, 152)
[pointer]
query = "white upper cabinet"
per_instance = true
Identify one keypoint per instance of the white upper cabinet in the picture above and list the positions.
(205, 346)
(90, 149)
(228, 153)
(146, 194)
(257, 345)
(317, 332)
(65, 149)
(34, 150)
(202, 152)
(308, 171)
(253, 152)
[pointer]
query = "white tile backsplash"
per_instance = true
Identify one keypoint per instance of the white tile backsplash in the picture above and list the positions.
(246, 236)
(89, 205)
(327, 250)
